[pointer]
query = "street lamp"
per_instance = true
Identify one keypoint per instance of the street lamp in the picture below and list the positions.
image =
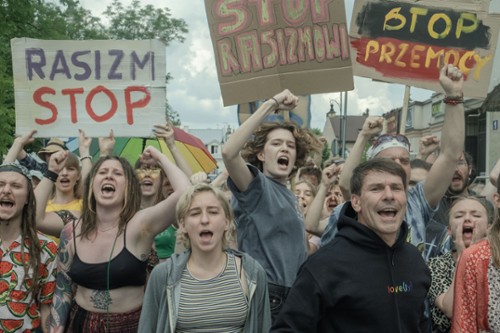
(342, 128)
(330, 114)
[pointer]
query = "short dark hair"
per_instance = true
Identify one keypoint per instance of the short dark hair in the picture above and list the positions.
(311, 171)
(420, 164)
(376, 164)
(470, 162)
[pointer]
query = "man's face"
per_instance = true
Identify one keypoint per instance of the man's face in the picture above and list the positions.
(382, 204)
(417, 175)
(333, 198)
(460, 178)
(13, 194)
(399, 155)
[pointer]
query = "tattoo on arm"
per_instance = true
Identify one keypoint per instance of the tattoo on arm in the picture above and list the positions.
(63, 296)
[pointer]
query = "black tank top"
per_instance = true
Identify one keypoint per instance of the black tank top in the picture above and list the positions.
(125, 270)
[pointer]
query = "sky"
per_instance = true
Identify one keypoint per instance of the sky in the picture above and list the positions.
(195, 94)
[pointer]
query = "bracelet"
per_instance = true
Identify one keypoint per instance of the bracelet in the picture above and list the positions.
(274, 99)
(84, 157)
(453, 100)
(51, 175)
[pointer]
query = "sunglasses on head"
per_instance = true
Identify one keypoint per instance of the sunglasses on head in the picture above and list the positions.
(389, 137)
(148, 172)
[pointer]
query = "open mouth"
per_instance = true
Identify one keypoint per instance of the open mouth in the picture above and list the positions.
(206, 234)
(388, 212)
(468, 231)
(147, 182)
(64, 181)
(456, 178)
(6, 203)
(332, 204)
(108, 188)
(283, 160)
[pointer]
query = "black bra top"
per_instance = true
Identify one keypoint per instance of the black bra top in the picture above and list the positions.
(124, 270)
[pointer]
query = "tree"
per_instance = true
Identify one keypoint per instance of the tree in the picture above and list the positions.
(325, 154)
(317, 132)
(67, 19)
(172, 115)
(148, 22)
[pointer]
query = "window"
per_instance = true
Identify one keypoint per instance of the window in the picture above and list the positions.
(436, 109)
(214, 149)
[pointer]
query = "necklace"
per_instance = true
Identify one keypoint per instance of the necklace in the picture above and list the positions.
(204, 275)
(108, 229)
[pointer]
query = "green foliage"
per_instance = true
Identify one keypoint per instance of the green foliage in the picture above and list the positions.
(148, 22)
(7, 115)
(67, 19)
(325, 154)
(316, 131)
(172, 115)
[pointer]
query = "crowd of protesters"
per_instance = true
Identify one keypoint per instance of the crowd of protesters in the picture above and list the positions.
(276, 243)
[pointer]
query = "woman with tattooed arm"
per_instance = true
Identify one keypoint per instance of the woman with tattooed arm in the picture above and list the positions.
(103, 256)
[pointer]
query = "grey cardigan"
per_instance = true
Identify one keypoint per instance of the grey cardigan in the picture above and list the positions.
(161, 300)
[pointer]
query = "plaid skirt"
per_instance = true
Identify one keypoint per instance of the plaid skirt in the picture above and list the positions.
(83, 321)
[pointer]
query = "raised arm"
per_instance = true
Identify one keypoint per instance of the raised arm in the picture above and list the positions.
(107, 144)
(452, 136)
(313, 216)
(371, 127)
(44, 189)
(221, 179)
(166, 132)
(427, 145)
(84, 143)
(18, 146)
(63, 296)
(235, 164)
(159, 217)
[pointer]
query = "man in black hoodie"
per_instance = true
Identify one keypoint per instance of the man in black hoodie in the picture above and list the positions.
(368, 279)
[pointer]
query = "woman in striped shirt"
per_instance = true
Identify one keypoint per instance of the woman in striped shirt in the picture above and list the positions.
(208, 288)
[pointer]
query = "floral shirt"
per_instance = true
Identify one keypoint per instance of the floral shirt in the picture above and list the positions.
(19, 312)
(470, 302)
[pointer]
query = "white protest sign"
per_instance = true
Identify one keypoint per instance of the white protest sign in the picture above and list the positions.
(62, 86)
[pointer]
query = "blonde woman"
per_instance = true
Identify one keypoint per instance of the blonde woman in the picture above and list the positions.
(476, 304)
(467, 224)
(209, 287)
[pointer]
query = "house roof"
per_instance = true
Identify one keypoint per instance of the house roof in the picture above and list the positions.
(353, 125)
(492, 101)
(208, 136)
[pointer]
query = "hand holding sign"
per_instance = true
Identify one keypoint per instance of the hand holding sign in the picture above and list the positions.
(62, 86)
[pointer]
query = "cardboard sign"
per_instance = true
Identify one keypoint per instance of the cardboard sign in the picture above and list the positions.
(63, 86)
(263, 47)
(301, 115)
(401, 42)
